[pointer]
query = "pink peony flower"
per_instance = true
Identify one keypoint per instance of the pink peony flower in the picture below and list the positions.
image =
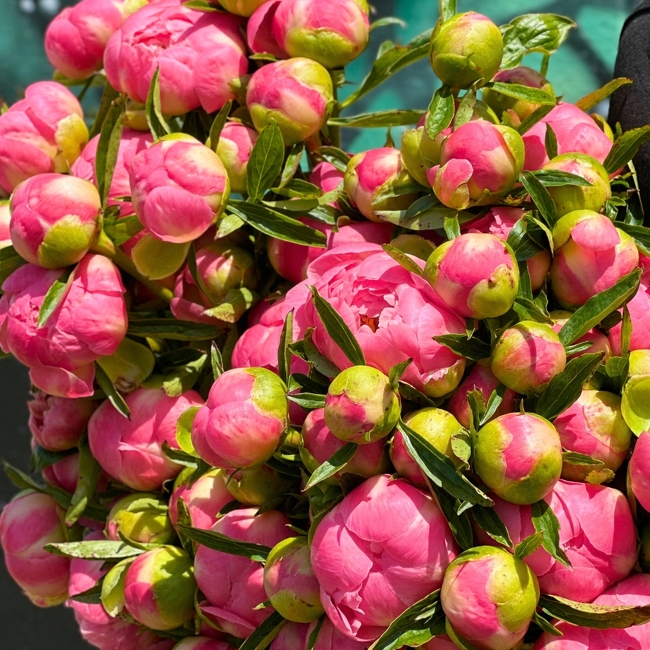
(259, 31)
(295, 636)
(5, 218)
(639, 470)
(234, 149)
(63, 474)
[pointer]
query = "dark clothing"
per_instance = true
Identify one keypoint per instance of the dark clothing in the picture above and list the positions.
(630, 105)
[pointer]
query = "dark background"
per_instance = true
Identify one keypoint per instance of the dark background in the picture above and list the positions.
(583, 64)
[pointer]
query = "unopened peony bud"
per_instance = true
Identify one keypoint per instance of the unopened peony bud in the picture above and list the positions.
(639, 470)
(258, 486)
(361, 406)
(234, 149)
(527, 356)
(259, 30)
(142, 518)
(475, 274)
(518, 456)
(489, 597)
(64, 474)
(414, 245)
(241, 7)
(420, 153)
(159, 588)
(465, 49)
(297, 94)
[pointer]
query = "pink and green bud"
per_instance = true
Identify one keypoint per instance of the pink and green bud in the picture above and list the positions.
(64, 474)
(204, 499)
(466, 49)
(569, 198)
(27, 524)
(54, 219)
(599, 342)
(517, 109)
(420, 153)
(591, 256)
(42, 133)
(475, 274)
(159, 588)
(361, 406)
(234, 149)
(635, 404)
(479, 163)
(489, 597)
(593, 425)
(179, 188)
(258, 486)
(244, 419)
(518, 456)
(58, 423)
(414, 245)
(480, 378)
(320, 444)
(373, 173)
(639, 471)
(437, 427)
(142, 518)
(290, 583)
(297, 94)
(259, 31)
(244, 8)
(527, 356)
(332, 33)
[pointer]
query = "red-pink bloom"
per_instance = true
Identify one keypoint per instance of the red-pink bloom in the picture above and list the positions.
(131, 450)
(326, 176)
(380, 550)
(27, 524)
(234, 149)
(576, 132)
(440, 643)
(259, 31)
(89, 323)
(295, 636)
(5, 218)
(63, 474)
(639, 470)
(44, 132)
(198, 54)
(233, 585)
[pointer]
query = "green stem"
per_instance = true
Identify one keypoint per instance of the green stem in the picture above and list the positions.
(335, 131)
(544, 69)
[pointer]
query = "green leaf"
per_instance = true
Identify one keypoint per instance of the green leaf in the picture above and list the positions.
(9, 262)
(465, 109)
(528, 237)
(184, 430)
(334, 156)
(640, 234)
(447, 9)
(316, 359)
(625, 148)
(42, 458)
(284, 353)
(472, 348)
(635, 405)
(108, 147)
(529, 545)
(292, 163)
(396, 372)
(277, 225)
(228, 224)
(265, 633)
(55, 295)
(120, 230)
(540, 197)
(92, 596)
(218, 123)
(265, 162)
(308, 401)
(526, 93)
(598, 307)
(234, 305)
(313, 636)
(574, 458)
(440, 113)
(441, 469)
(108, 97)
(179, 456)
(600, 617)
(493, 403)
(385, 22)
(106, 550)
(171, 329)
(403, 260)
(218, 542)
(460, 525)
(416, 626)
(536, 116)
(576, 348)
(488, 519)
(379, 119)
(545, 521)
(592, 99)
(201, 5)
(111, 392)
(546, 625)
(452, 227)
(89, 475)
(414, 395)
(155, 119)
(333, 465)
(337, 329)
(550, 142)
(555, 177)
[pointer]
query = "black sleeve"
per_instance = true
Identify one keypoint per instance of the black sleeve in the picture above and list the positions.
(630, 105)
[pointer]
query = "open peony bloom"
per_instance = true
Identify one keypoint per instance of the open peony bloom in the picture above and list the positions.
(380, 550)
(89, 323)
(198, 54)
(44, 132)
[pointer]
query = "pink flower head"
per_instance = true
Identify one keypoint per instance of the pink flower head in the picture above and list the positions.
(479, 162)
(130, 451)
(234, 585)
(639, 470)
(198, 54)
(576, 132)
(179, 188)
(234, 149)
(259, 31)
(44, 132)
(57, 423)
(63, 474)
(243, 421)
(442, 642)
(131, 143)
(89, 323)
(639, 308)
(295, 636)
(393, 313)
(5, 218)
(380, 550)
(27, 524)
(326, 176)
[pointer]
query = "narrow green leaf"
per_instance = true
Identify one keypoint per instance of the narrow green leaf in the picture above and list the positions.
(284, 353)
(308, 401)
(396, 372)
(546, 625)
(201, 5)
(540, 197)
(545, 521)
(526, 93)
(218, 542)
(536, 116)
(265, 162)
(625, 148)
(42, 458)
(216, 361)
(333, 465)
(179, 456)
(555, 177)
(111, 392)
(234, 305)
(592, 99)
(55, 295)
(493, 403)
(108, 97)
(108, 147)
(184, 430)
(89, 475)
(334, 156)
(473, 348)
(120, 230)
(106, 550)
(292, 163)
(403, 259)
(594, 616)
(316, 359)
(528, 237)
(465, 109)
(640, 234)
(488, 519)
(414, 395)
(218, 123)
(379, 119)
(452, 227)
(265, 633)
(440, 113)
(171, 329)
(458, 521)
(155, 119)
(313, 636)
(550, 142)
(529, 545)
(385, 22)
(576, 348)
(92, 596)
(574, 458)
(447, 9)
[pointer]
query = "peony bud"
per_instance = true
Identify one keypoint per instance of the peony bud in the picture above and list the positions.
(295, 636)
(361, 406)
(258, 486)
(489, 597)
(179, 188)
(64, 474)
(142, 518)
(372, 173)
(159, 588)
(527, 356)
(475, 274)
(420, 153)
(639, 471)
(414, 245)
(434, 425)
(518, 456)
(297, 94)
(259, 30)
(27, 524)
(599, 342)
(241, 7)
(5, 219)
(465, 49)
(54, 219)
(290, 583)
(332, 33)
(242, 423)
(591, 255)
(479, 163)
(234, 149)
